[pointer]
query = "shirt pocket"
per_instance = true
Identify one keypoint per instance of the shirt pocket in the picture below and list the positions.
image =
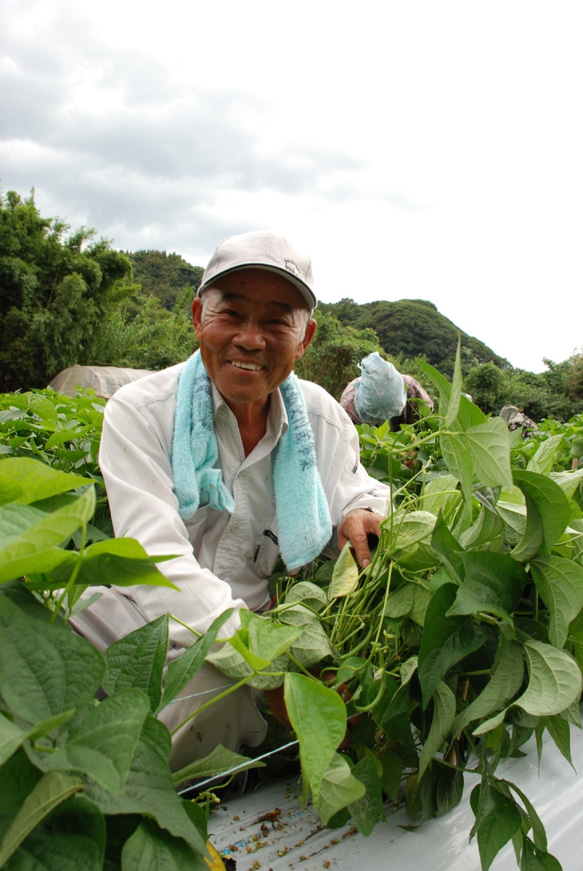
(266, 550)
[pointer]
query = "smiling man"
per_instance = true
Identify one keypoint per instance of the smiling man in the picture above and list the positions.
(229, 462)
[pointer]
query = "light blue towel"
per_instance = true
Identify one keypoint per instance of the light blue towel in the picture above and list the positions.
(303, 517)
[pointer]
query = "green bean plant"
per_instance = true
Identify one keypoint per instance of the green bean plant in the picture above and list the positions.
(85, 779)
(462, 640)
(458, 643)
(63, 432)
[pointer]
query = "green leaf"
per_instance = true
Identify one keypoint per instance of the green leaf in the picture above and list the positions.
(28, 536)
(101, 740)
(368, 810)
(538, 830)
(439, 381)
(437, 792)
(44, 408)
(45, 727)
(394, 701)
(44, 670)
(560, 731)
(443, 716)
(537, 860)
(489, 449)
(401, 601)
(231, 663)
(269, 640)
(547, 514)
(487, 527)
(494, 583)
(456, 388)
(182, 669)
(554, 686)
(555, 680)
(150, 849)
(445, 641)
(17, 778)
(491, 724)
(122, 562)
(513, 516)
(11, 737)
(338, 788)
(449, 550)
(439, 494)
(25, 480)
(240, 643)
(71, 837)
(218, 761)
(260, 645)
(393, 767)
(345, 576)
(412, 527)
(312, 645)
(505, 682)
(149, 788)
(569, 482)
(318, 717)
(497, 820)
(458, 460)
(572, 715)
(50, 791)
(560, 585)
(307, 594)
(544, 458)
(137, 661)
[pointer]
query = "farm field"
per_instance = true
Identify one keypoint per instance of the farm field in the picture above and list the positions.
(454, 653)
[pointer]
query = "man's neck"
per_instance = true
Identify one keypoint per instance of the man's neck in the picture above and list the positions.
(252, 423)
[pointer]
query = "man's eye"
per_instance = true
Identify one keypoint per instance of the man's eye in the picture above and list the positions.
(278, 322)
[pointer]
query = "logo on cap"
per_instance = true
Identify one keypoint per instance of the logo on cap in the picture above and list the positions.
(291, 267)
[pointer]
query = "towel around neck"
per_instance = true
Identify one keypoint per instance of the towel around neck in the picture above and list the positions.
(303, 517)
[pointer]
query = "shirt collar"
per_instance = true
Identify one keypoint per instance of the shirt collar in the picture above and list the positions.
(277, 420)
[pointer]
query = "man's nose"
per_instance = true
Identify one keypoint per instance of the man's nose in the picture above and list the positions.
(250, 334)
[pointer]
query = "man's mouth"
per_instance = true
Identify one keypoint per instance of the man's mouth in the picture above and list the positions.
(250, 367)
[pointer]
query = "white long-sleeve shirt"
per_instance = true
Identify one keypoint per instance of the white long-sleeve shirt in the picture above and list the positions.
(222, 560)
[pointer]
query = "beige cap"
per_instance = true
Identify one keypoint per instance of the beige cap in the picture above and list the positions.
(261, 250)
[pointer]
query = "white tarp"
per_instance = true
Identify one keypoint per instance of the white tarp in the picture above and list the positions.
(105, 380)
(267, 828)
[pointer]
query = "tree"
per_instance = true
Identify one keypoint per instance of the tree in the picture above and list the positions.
(336, 350)
(56, 289)
(575, 379)
(484, 383)
(560, 381)
(142, 334)
(164, 275)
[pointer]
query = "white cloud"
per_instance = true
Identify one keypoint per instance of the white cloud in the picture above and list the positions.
(419, 150)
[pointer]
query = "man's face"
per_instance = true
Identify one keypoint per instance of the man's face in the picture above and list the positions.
(251, 328)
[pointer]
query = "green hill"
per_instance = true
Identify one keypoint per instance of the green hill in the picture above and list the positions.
(409, 328)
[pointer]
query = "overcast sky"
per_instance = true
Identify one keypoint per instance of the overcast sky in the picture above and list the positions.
(425, 150)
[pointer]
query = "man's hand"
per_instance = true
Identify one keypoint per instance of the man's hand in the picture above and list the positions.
(355, 528)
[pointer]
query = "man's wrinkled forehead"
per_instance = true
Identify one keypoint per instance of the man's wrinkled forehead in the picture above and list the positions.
(261, 286)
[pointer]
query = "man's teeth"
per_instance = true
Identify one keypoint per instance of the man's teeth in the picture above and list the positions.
(253, 367)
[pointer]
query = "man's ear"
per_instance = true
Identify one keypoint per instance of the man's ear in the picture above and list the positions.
(196, 311)
(308, 336)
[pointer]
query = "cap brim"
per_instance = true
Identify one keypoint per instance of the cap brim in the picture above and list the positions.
(305, 291)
